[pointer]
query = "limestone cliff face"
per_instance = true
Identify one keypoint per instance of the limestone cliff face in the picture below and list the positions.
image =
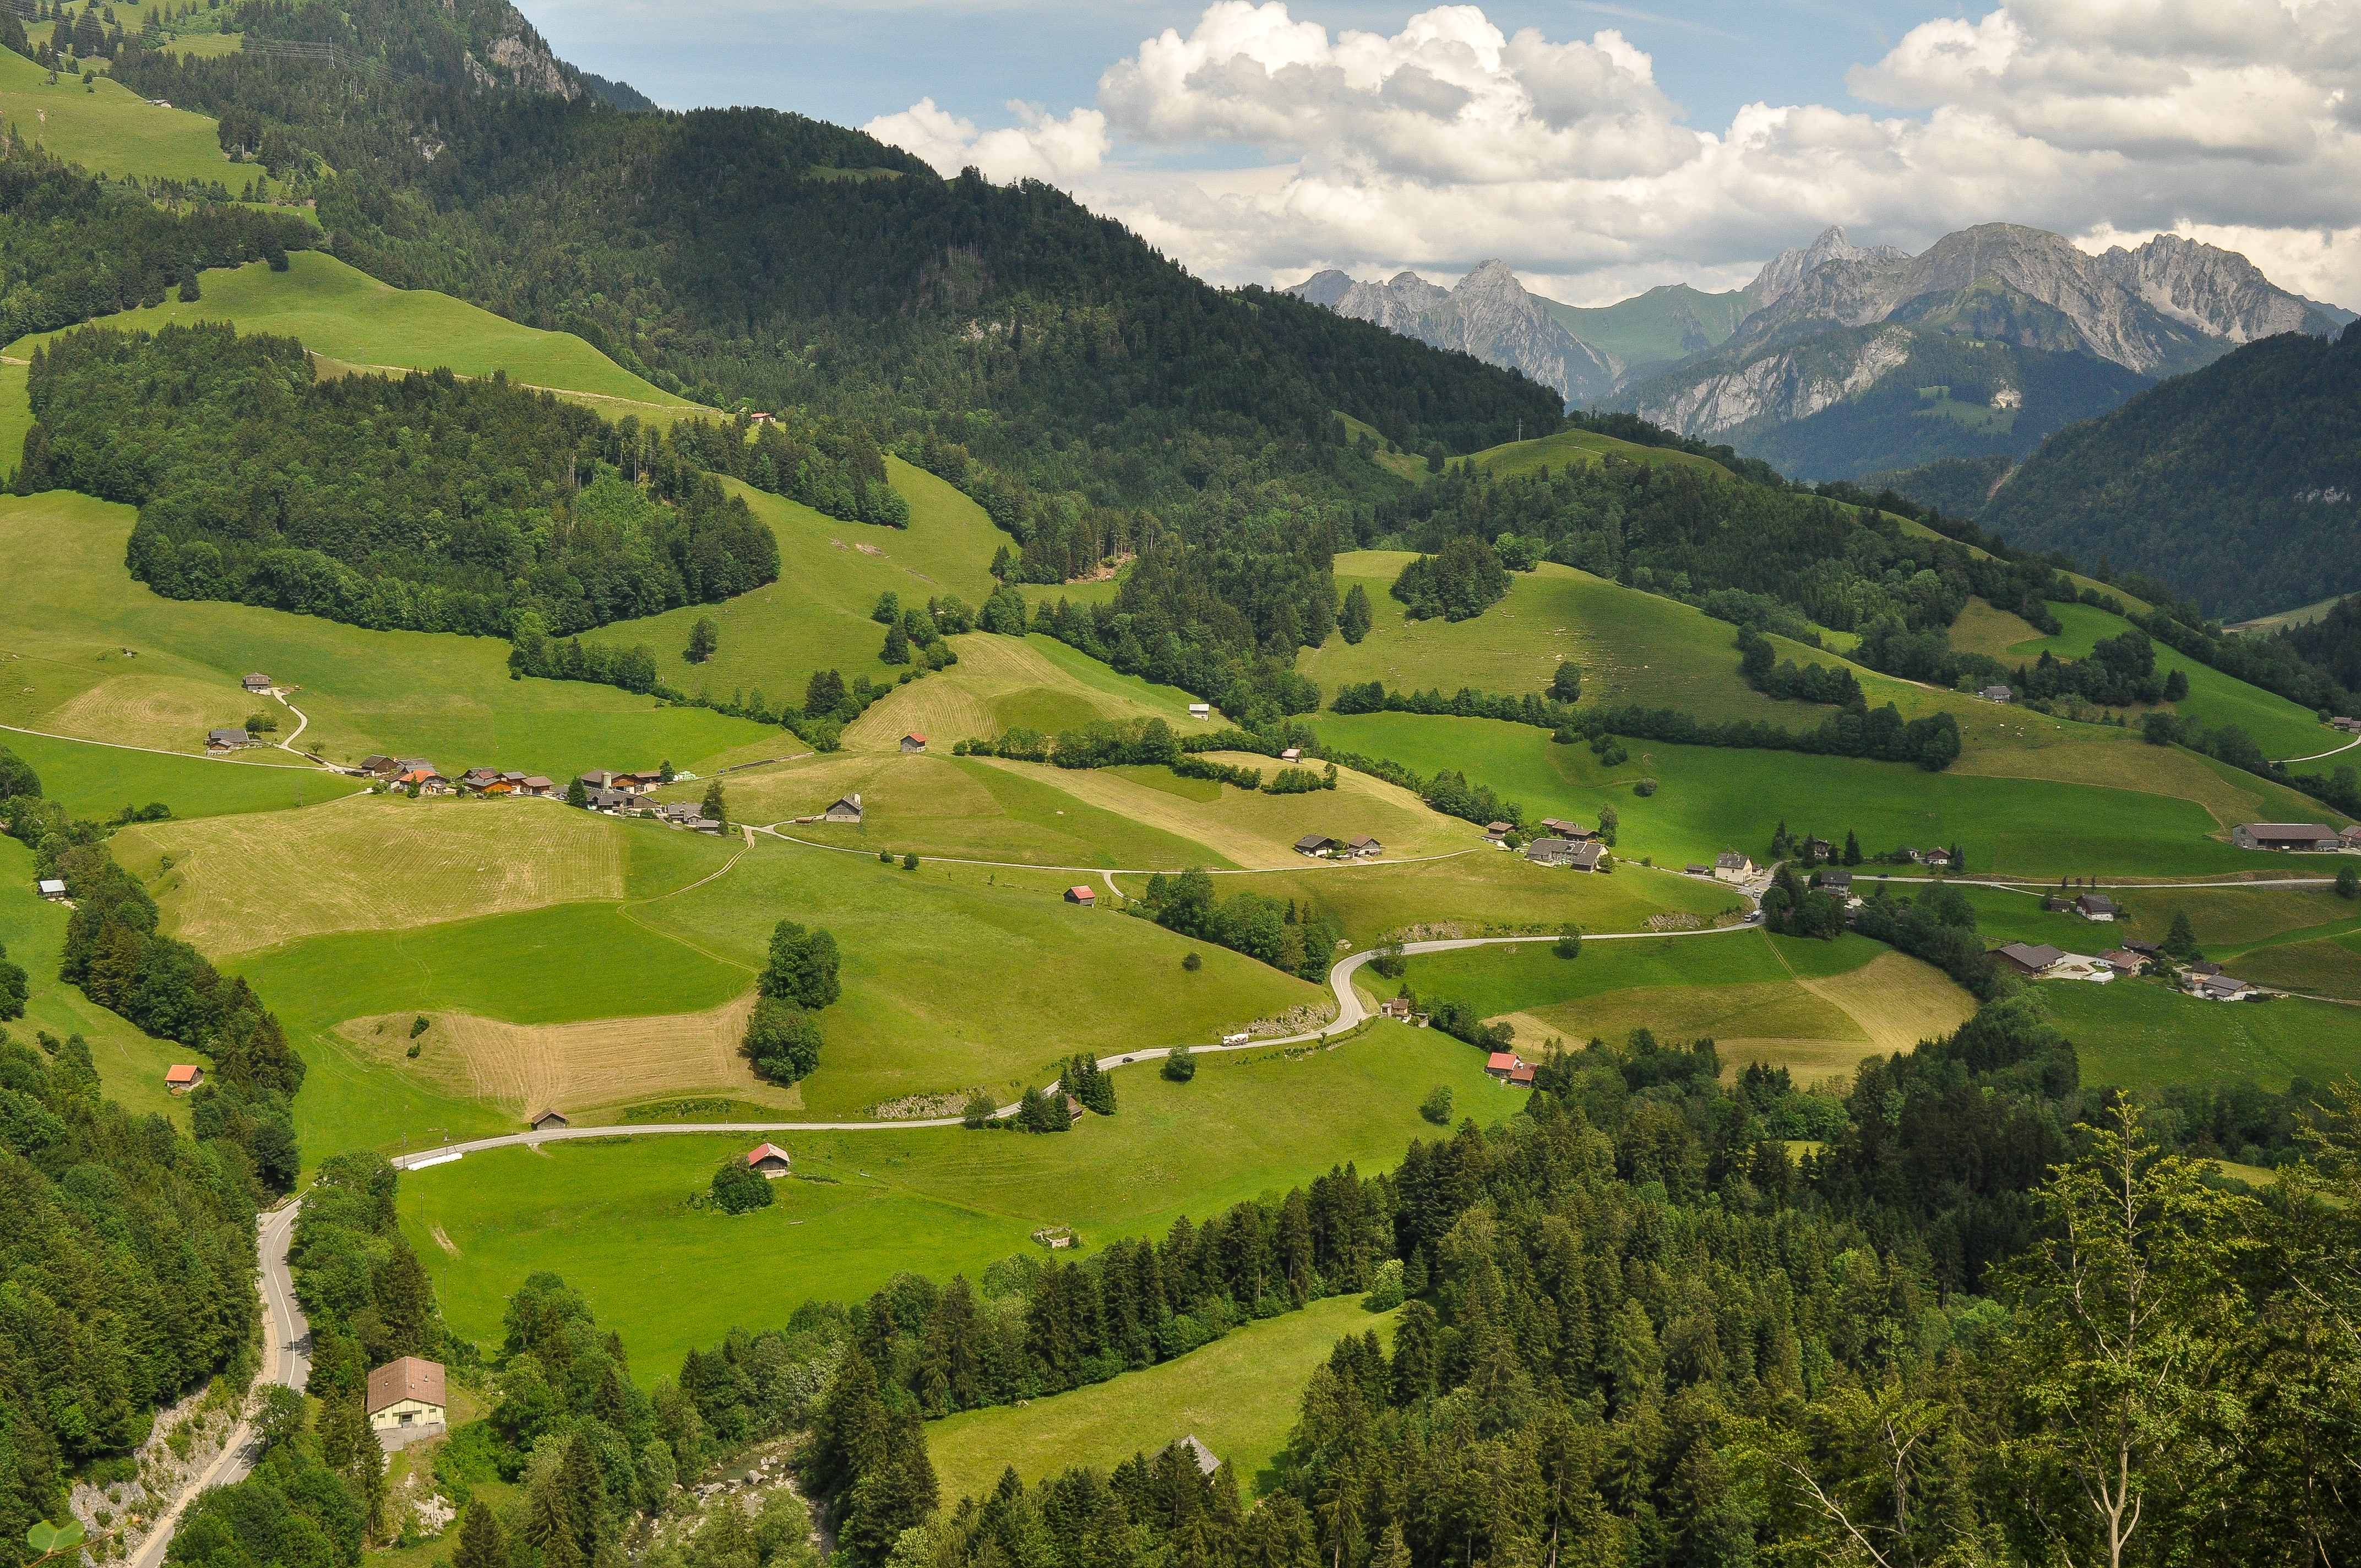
(1783, 272)
(1784, 385)
(2219, 292)
(1487, 314)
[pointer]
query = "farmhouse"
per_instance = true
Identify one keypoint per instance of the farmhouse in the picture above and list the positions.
(1834, 880)
(376, 767)
(1939, 859)
(1293, 754)
(478, 778)
(1524, 1076)
(227, 739)
(610, 799)
(425, 780)
(2300, 836)
(2220, 988)
(411, 765)
(1316, 844)
(1550, 851)
(182, 1076)
(1731, 865)
(1564, 829)
(1496, 833)
(50, 888)
(1395, 1007)
(1198, 1454)
(1502, 1065)
(2350, 838)
(1995, 694)
(257, 683)
(1083, 896)
(768, 1160)
(548, 1121)
(2123, 960)
(1693, 869)
(2095, 906)
(2029, 959)
(1201, 710)
(639, 783)
(845, 810)
(2145, 949)
(502, 787)
(914, 742)
(1588, 857)
(405, 1401)
(2350, 726)
(1366, 848)
(536, 785)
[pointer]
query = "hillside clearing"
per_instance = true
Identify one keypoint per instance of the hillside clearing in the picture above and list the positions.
(113, 131)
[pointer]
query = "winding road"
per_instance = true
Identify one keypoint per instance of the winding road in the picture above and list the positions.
(289, 1362)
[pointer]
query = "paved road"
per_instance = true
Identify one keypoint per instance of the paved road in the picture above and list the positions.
(1350, 1015)
(289, 1362)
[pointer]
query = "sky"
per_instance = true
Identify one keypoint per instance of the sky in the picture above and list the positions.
(1601, 147)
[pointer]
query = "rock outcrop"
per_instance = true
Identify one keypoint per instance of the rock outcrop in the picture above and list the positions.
(1487, 314)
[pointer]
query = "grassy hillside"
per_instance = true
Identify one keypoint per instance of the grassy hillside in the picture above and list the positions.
(610, 1215)
(448, 697)
(93, 780)
(1817, 1008)
(2022, 825)
(1004, 683)
(363, 324)
(108, 129)
(1240, 1397)
(2142, 1034)
(1587, 449)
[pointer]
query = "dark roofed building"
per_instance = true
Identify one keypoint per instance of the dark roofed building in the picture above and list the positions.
(1550, 851)
(2095, 906)
(228, 739)
(548, 1121)
(1833, 880)
(2027, 957)
(1315, 844)
(1588, 857)
(2284, 836)
(257, 682)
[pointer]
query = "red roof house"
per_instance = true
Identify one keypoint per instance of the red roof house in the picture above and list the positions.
(1502, 1064)
(183, 1077)
(1081, 895)
(769, 1159)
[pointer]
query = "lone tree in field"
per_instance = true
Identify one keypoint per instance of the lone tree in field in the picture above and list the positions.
(1182, 1065)
(2181, 942)
(1565, 682)
(1568, 943)
(802, 968)
(703, 639)
(738, 1189)
(1436, 1106)
(1353, 620)
(717, 805)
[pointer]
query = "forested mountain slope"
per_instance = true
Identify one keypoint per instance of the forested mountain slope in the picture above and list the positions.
(2236, 484)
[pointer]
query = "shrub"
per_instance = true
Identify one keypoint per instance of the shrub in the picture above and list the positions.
(1568, 943)
(2348, 880)
(1436, 1106)
(1644, 787)
(1192, 962)
(739, 1189)
(1182, 1065)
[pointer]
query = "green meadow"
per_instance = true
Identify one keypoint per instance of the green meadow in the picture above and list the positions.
(612, 1216)
(1711, 799)
(92, 780)
(1240, 1397)
(110, 130)
(351, 318)
(94, 654)
(2143, 1035)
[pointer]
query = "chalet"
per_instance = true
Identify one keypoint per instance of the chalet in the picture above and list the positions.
(182, 1076)
(1201, 710)
(1083, 896)
(1293, 754)
(760, 419)
(425, 780)
(2350, 838)
(1551, 851)
(1995, 694)
(411, 765)
(1524, 1076)
(257, 683)
(2123, 960)
(501, 788)
(1502, 1065)
(2145, 949)
(847, 809)
(51, 888)
(610, 800)
(1818, 849)
(914, 742)
(1395, 1007)
(676, 811)
(2298, 836)
(227, 739)
(1564, 829)
(1941, 860)
(768, 1161)
(1839, 883)
(2095, 906)
(1197, 1453)
(2029, 959)
(601, 778)
(535, 784)
(476, 779)
(2056, 903)
(1732, 866)
(2350, 726)
(547, 1121)
(1588, 857)
(1498, 833)
(1366, 848)
(376, 766)
(706, 825)
(2204, 967)
(2221, 988)
(639, 783)
(406, 1400)
(1316, 844)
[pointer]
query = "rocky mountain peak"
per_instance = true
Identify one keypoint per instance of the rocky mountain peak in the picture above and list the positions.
(1487, 313)
(2219, 292)
(1783, 272)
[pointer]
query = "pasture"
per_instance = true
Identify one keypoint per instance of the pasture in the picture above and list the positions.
(96, 780)
(2144, 1035)
(1710, 800)
(1817, 1008)
(94, 654)
(108, 129)
(1240, 1397)
(349, 317)
(612, 1216)
(1007, 682)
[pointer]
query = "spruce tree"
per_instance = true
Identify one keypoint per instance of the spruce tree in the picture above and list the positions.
(549, 1525)
(2181, 942)
(1353, 619)
(717, 805)
(897, 646)
(703, 639)
(1852, 847)
(585, 1493)
(483, 1544)
(578, 794)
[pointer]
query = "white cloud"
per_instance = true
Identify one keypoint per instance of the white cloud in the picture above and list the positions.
(1448, 142)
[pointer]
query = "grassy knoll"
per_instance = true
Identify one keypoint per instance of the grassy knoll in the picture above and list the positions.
(109, 129)
(611, 1218)
(130, 1065)
(1712, 799)
(953, 979)
(352, 318)
(1586, 449)
(831, 573)
(1239, 1396)
(370, 863)
(98, 780)
(1002, 683)
(1815, 1007)
(2141, 1034)
(952, 806)
(74, 611)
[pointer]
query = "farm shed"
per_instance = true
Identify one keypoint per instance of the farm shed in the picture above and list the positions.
(768, 1160)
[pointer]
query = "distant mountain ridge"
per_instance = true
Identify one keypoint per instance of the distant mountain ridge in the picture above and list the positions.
(1838, 359)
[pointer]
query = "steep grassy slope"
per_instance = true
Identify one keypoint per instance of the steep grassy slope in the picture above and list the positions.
(76, 611)
(110, 130)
